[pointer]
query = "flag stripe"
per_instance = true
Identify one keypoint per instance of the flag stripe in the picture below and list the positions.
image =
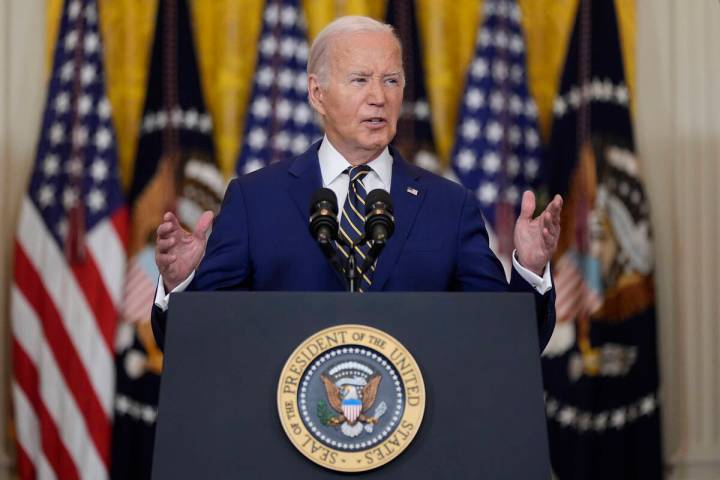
(52, 391)
(61, 346)
(63, 291)
(35, 465)
(52, 445)
(111, 268)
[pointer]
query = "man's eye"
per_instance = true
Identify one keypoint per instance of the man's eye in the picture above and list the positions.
(392, 81)
(359, 80)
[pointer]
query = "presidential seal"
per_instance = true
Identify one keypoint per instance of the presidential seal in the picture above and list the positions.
(351, 398)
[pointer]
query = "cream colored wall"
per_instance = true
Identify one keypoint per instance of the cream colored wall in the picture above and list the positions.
(678, 132)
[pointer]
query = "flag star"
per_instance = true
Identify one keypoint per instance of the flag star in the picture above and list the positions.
(84, 104)
(621, 94)
(281, 141)
(532, 141)
(286, 79)
(515, 13)
(514, 135)
(91, 43)
(597, 89)
(516, 73)
(559, 107)
(497, 101)
(287, 47)
(601, 421)
(466, 160)
(192, 119)
(474, 99)
(148, 124)
(74, 167)
(71, 39)
(74, 9)
(67, 71)
(205, 123)
(512, 195)
(252, 165)
(91, 13)
(607, 90)
(513, 166)
(257, 138)
(516, 44)
(301, 54)
(46, 195)
(80, 136)
(490, 9)
(574, 97)
(500, 70)
(647, 405)
(69, 198)
(501, 10)
(494, 132)
(57, 133)
(177, 117)
(268, 45)
(479, 68)
(99, 170)
(470, 129)
(283, 110)
(531, 168)
(422, 109)
(301, 82)
(88, 74)
(96, 200)
(487, 193)
(62, 102)
(103, 139)
(584, 421)
(617, 420)
(265, 76)
(104, 108)
(516, 105)
(530, 108)
(62, 228)
(566, 416)
(299, 144)
(161, 119)
(51, 165)
(501, 39)
(302, 114)
(491, 162)
(288, 16)
(271, 14)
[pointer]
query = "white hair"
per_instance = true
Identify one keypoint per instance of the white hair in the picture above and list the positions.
(319, 58)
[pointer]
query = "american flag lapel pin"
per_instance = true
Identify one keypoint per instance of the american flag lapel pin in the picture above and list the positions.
(412, 191)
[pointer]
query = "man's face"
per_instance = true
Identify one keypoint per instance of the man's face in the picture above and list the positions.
(361, 102)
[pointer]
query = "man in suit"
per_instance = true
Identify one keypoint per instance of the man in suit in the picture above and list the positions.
(260, 239)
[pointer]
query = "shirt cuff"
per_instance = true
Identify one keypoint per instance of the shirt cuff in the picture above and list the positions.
(541, 284)
(162, 299)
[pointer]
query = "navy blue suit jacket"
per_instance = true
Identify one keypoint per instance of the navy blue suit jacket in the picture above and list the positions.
(260, 239)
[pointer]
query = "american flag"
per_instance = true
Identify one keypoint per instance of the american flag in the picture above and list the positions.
(280, 122)
(70, 262)
(497, 147)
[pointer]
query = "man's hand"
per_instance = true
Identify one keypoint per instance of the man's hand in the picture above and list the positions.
(177, 251)
(536, 239)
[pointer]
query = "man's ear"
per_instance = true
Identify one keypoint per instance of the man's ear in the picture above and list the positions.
(316, 94)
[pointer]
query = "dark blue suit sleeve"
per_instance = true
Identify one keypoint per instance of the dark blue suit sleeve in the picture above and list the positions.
(478, 269)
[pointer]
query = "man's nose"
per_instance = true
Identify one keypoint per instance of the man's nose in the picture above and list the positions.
(376, 95)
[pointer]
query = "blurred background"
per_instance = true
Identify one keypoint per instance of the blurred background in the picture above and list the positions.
(113, 111)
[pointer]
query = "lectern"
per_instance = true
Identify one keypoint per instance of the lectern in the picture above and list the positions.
(225, 353)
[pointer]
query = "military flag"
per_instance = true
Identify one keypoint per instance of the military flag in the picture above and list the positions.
(175, 170)
(280, 123)
(414, 136)
(69, 268)
(600, 368)
(497, 152)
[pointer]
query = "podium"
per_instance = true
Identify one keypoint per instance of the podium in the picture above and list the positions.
(478, 354)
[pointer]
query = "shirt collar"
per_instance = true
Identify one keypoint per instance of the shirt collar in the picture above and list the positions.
(333, 164)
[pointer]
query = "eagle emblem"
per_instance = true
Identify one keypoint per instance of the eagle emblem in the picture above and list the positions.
(351, 398)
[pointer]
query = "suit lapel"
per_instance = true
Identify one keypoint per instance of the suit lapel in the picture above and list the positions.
(305, 179)
(407, 196)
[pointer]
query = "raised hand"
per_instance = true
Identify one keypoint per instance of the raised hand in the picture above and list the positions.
(536, 238)
(177, 251)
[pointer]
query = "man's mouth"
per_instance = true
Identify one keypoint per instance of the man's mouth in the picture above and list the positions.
(375, 121)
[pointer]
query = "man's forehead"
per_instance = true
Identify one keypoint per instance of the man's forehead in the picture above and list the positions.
(365, 51)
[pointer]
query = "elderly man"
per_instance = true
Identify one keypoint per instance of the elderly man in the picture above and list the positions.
(260, 238)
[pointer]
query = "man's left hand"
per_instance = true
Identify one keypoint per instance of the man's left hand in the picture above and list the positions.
(536, 238)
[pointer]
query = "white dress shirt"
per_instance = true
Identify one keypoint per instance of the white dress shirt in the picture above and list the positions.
(332, 166)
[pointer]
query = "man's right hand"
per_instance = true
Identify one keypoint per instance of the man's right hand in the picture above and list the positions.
(177, 251)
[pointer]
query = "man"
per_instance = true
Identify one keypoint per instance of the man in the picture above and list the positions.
(260, 239)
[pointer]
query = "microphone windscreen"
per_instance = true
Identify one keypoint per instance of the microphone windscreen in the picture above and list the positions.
(324, 195)
(378, 195)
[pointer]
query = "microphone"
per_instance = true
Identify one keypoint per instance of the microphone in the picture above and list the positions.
(379, 224)
(323, 216)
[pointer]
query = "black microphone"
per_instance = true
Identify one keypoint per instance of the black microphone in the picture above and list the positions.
(323, 216)
(379, 224)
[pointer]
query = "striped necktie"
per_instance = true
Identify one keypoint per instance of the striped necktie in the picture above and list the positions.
(352, 222)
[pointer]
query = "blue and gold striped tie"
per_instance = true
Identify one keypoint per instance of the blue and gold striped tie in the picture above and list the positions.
(352, 222)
